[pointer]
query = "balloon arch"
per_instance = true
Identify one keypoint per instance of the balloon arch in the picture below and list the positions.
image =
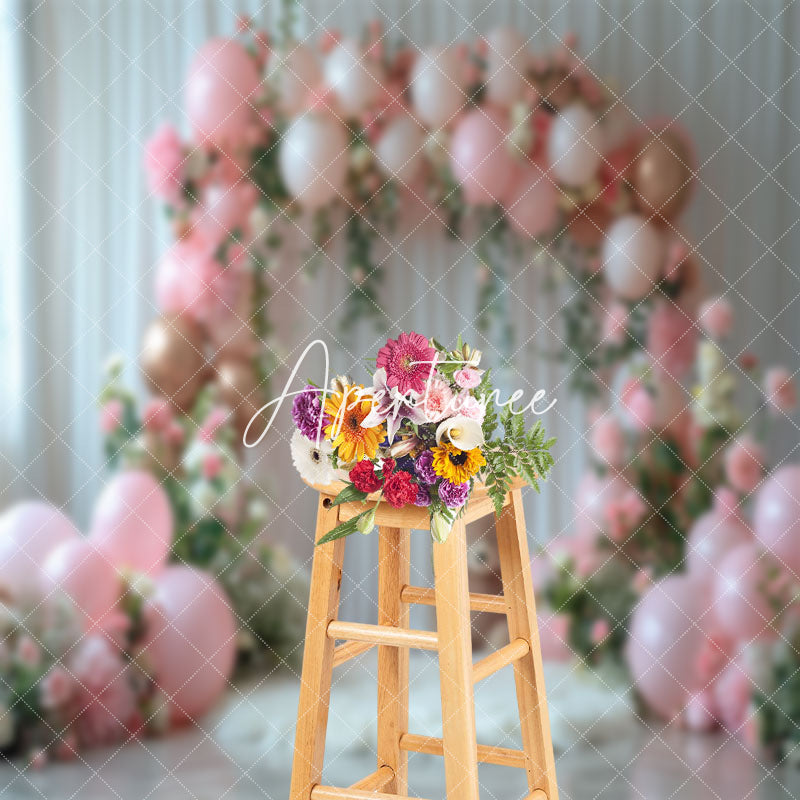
(527, 148)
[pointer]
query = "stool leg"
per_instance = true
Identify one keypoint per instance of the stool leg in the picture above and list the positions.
(455, 665)
(515, 568)
(315, 685)
(394, 551)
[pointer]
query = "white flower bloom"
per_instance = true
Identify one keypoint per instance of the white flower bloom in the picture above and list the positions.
(460, 431)
(312, 462)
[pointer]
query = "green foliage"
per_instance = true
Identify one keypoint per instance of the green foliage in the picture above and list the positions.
(521, 453)
(606, 594)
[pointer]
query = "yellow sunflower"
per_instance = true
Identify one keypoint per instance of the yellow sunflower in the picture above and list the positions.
(346, 410)
(457, 466)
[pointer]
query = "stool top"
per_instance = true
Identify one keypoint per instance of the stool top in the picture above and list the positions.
(478, 506)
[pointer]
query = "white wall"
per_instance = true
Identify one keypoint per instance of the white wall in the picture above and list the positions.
(92, 80)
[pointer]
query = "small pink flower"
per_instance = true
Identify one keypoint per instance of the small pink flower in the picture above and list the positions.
(437, 401)
(470, 407)
(467, 378)
(671, 338)
(55, 688)
(175, 434)
(608, 441)
(639, 404)
(212, 465)
(157, 414)
(164, 164)
(600, 631)
(744, 464)
(716, 317)
(243, 23)
(643, 580)
(213, 422)
(96, 663)
(111, 416)
(28, 652)
(614, 322)
(780, 390)
(624, 514)
(329, 39)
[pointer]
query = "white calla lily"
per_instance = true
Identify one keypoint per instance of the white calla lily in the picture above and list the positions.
(462, 432)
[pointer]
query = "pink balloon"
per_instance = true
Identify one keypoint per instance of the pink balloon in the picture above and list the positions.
(190, 280)
(479, 156)
(715, 534)
(732, 692)
(666, 639)
(82, 573)
(532, 205)
(132, 522)
(746, 598)
(29, 531)
(226, 209)
(776, 519)
(219, 91)
(190, 639)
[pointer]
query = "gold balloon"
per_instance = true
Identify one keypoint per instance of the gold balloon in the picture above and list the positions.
(238, 387)
(662, 176)
(172, 360)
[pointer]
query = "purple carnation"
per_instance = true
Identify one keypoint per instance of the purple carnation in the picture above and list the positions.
(307, 410)
(423, 497)
(454, 495)
(423, 466)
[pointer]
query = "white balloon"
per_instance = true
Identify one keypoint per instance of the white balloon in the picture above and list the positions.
(400, 149)
(633, 256)
(313, 159)
(506, 61)
(354, 77)
(437, 86)
(575, 146)
(293, 76)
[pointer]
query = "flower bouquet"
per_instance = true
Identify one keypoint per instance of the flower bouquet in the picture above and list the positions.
(422, 434)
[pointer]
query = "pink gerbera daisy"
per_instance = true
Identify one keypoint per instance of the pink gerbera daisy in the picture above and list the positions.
(408, 361)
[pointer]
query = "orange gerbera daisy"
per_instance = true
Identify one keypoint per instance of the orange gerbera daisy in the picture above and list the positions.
(347, 410)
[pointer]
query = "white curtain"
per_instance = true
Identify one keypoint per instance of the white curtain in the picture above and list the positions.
(84, 82)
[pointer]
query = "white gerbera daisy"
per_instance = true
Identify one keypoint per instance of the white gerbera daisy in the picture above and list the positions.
(312, 462)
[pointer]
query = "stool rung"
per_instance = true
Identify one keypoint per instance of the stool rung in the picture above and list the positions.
(376, 781)
(383, 634)
(333, 793)
(344, 652)
(491, 603)
(512, 652)
(430, 745)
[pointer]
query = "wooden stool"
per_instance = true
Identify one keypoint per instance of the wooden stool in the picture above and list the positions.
(452, 641)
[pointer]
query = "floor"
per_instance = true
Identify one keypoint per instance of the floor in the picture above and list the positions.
(189, 765)
(244, 750)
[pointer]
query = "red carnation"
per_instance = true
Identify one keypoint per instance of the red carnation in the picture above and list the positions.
(364, 478)
(387, 467)
(399, 490)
